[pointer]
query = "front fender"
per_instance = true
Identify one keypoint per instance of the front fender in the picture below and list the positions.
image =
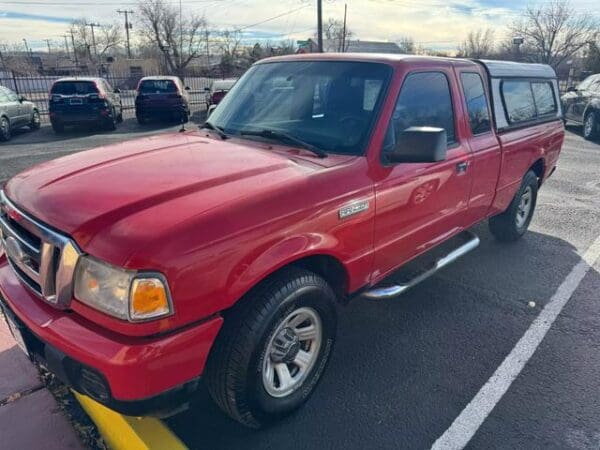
(258, 265)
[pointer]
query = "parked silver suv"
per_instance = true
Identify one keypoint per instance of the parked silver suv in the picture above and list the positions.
(16, 112)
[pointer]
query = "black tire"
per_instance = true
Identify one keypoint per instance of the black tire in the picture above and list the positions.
(513, 223)
(110, 123)
(35, 122)
(58, 128)
(591, 125)
(5, 132)
(234, 371)
(141, 120)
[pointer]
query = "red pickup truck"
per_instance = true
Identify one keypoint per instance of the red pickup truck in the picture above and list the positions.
(135, 270)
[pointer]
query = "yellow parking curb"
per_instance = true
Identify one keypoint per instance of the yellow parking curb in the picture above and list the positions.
(132, 433)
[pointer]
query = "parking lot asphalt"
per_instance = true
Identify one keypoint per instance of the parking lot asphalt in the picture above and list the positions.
(404, 369)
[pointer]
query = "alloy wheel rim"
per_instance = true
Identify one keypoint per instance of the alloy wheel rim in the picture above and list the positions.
(524, 208)
(589, 124)
(292, 352)
(36, 117)
(4, 127)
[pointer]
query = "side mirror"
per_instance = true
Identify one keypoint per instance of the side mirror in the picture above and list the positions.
(22, 99)
(210, 110)
(206, 89)
(187, 88)
(419, 145)
(117, 91)
(571, 89)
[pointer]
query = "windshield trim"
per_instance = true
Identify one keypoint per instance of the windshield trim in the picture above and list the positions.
(362, 147)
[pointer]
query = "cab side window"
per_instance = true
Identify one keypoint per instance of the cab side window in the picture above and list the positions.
(477, 103)
(424, 100)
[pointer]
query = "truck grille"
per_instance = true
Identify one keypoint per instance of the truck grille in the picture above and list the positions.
(42, 259)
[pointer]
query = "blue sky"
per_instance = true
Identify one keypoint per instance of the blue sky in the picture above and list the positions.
(440, 24)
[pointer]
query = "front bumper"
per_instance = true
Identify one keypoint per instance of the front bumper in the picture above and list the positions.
(134, 376)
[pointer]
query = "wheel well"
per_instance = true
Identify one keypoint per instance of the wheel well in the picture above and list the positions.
(328, 267)
(538, 169)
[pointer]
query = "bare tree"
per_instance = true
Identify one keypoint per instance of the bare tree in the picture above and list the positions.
(335, 37)
(229, 43)
(554, 32)
(14, 59)
(179, 42)
(478, 44)
(407, 45)
(96, 46)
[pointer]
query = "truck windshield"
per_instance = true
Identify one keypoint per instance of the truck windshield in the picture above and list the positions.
(331, 105)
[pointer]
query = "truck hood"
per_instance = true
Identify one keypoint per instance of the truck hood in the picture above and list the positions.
(88, 192)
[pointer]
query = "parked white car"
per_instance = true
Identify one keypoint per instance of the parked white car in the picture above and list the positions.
(16, 112)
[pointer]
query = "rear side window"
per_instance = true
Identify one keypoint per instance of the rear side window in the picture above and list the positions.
(518, 100)
(157, 87)
(544, 98)
(74, 88)
(477, 104)
(424, 101)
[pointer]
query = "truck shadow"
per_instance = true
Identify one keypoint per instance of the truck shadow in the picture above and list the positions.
(404, 369)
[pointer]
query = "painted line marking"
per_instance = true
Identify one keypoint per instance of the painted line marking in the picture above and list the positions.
(479, 408)
(129, 433)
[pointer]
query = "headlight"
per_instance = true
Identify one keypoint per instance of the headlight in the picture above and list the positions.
(124, 294)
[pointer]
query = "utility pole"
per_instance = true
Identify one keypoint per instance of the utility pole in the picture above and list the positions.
(344, 31)
(48, 44)
(127, 28)
(72, 33)
(320, 25)
(27, 49)
(92, 26)
(180, 39)
(67, 46)
(207, 50)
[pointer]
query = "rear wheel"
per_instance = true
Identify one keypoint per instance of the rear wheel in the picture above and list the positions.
(4, 129)
(35, 122)
(273, 348)
(513, 223)
(111, 121)
(58, 128)
(591, 125)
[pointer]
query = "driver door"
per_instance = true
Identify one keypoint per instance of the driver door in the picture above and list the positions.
(421, 204)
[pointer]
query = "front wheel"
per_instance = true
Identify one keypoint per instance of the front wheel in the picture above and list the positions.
(513, 223)
(4, 129)
(35, 122)
(591, 125)
(273, 348)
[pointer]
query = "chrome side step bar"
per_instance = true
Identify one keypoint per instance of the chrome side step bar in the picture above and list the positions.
(393, 291)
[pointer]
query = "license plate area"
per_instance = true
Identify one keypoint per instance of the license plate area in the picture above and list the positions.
(15, 330)
(76, 101)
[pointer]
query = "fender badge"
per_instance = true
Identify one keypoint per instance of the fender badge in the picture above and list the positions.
(353, 208)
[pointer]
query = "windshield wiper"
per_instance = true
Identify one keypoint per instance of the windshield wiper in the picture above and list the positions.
(279, 135)
(220, 131)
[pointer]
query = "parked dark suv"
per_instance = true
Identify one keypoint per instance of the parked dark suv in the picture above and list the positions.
(78, 101)
(581, 104)
(162, 96)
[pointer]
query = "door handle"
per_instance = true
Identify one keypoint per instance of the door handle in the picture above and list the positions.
(462, 167)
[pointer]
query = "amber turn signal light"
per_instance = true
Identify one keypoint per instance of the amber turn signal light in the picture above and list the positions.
(149, 299)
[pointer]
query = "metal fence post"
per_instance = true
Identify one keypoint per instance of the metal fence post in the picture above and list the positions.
(15, 82)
